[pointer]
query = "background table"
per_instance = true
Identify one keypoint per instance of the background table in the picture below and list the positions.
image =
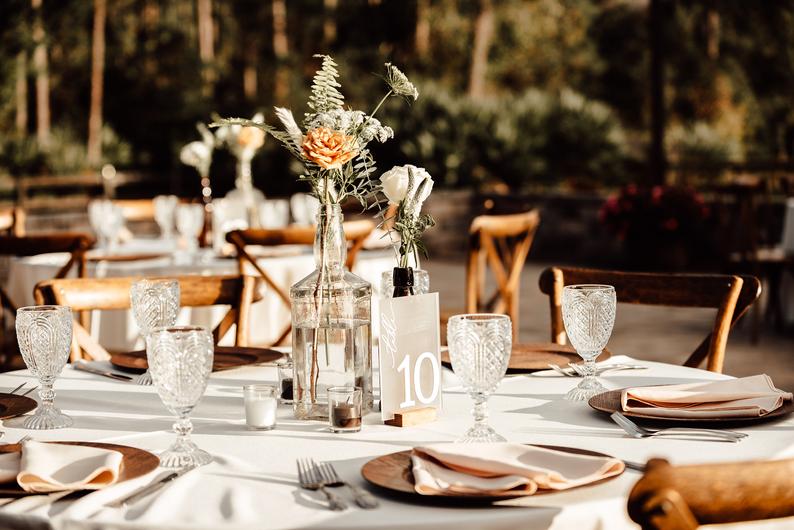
(252, 483)
(116, 330)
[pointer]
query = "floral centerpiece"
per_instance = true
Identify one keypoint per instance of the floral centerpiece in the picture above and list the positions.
(243, 142)
(198, 155)
(331, 324)
(407, 188)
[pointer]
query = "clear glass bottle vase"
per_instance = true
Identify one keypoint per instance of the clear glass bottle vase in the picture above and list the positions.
(331, 324)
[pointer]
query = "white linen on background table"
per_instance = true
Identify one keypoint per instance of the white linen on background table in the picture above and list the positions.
(252, 483)
(116, 330)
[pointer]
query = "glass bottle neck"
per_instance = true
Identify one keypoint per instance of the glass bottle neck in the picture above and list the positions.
(330, 246)
(403, 281)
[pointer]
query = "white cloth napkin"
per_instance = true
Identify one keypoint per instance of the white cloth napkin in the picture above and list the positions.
(745, 397)
(498, 468)
(46, 467)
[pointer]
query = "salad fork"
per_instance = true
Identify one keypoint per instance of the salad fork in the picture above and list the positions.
(332, 479)
(309, 478)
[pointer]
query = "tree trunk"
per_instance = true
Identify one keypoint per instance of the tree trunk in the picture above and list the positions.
(250, 77)
(94, 149)
(206, 49)
(281, 51)
(329, 23)
(42, 77)
(657, 155)
(21, 93)
(712, 33)
(422, 36)
(483, 33)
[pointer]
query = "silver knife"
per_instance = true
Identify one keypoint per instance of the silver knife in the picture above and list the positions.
(143, 491)
(80, 365)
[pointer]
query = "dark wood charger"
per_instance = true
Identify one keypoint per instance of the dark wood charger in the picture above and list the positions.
(609, 402)
(226, 357)
(12, 405)
(134, 463)
(536, 356)
(392, 473)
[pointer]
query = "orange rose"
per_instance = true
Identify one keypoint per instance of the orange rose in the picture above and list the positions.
(251, 138)
(328, 148)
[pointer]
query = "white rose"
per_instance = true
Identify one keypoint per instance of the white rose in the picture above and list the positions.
(395, 182)
(195, 154)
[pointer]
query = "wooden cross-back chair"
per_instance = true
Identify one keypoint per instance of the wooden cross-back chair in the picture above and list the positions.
(87, 294)
(685, 497)
(501, 243)
(12, 221)
(732, 296)
(76, 244)
(356, 233)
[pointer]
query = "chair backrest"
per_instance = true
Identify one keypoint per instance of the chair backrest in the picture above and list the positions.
(77, 244)
(501, 243)
(136, 209)
(356, 233)
(12, 221)
(685, 497)
(88, 294)
(732, 296)
(787, 239)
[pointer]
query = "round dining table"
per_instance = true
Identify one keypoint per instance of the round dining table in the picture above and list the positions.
(116, 330)
(252, 482)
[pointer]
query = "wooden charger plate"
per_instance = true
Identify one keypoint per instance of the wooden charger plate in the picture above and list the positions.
(12, 405)
(226, 357)
(609, 402)
(534, 357)
(134, 463)
(393, 473)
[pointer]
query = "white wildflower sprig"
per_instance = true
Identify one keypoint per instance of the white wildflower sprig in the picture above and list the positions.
(399, 83)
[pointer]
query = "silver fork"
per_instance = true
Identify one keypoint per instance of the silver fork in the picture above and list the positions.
(331, 479)
(309, 479)
(579, 369)
(144, 379)
(641, 432)
(560, 370)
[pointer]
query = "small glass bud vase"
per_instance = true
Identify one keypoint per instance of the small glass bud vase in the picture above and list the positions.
(331, 325)
(419, 279)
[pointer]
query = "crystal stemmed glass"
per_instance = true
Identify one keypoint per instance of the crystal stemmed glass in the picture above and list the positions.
(189, 221)
(180, 360)
(44, 334)
(588, 312)
(479, 347)
(155, 303)
(164, 207)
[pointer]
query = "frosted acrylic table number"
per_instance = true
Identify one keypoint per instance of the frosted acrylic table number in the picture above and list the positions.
(409, 352)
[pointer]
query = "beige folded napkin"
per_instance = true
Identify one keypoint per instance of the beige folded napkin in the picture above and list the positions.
(499, 468)
(44, 467)
(746, 397)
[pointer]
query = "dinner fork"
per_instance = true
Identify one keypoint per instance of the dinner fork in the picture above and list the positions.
(144, 379)
(309, 479)
(641, 432)
(579, 369)
(331, 479)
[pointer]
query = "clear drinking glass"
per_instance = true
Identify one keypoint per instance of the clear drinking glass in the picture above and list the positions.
(479, 347)
(588, 312)
(155, 304)
(189, 221)
(44, 334)
(164, 208)
(180, 361)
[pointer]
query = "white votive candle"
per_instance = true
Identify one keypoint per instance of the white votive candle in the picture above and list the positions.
(260, 406)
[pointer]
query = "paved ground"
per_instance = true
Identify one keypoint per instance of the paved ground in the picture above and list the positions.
(665, 334)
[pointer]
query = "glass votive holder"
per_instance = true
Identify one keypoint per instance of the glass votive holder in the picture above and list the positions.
(260, 406)
(285, 375)
(344, 408)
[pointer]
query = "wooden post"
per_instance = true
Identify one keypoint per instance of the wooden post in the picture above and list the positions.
(94, 148)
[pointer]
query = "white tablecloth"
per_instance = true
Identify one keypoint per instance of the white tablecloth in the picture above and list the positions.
(116, 330)
(252, 482)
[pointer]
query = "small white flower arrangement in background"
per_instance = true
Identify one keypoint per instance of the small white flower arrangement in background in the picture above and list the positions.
(242, 141)
(408, 187)
(198, 154)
